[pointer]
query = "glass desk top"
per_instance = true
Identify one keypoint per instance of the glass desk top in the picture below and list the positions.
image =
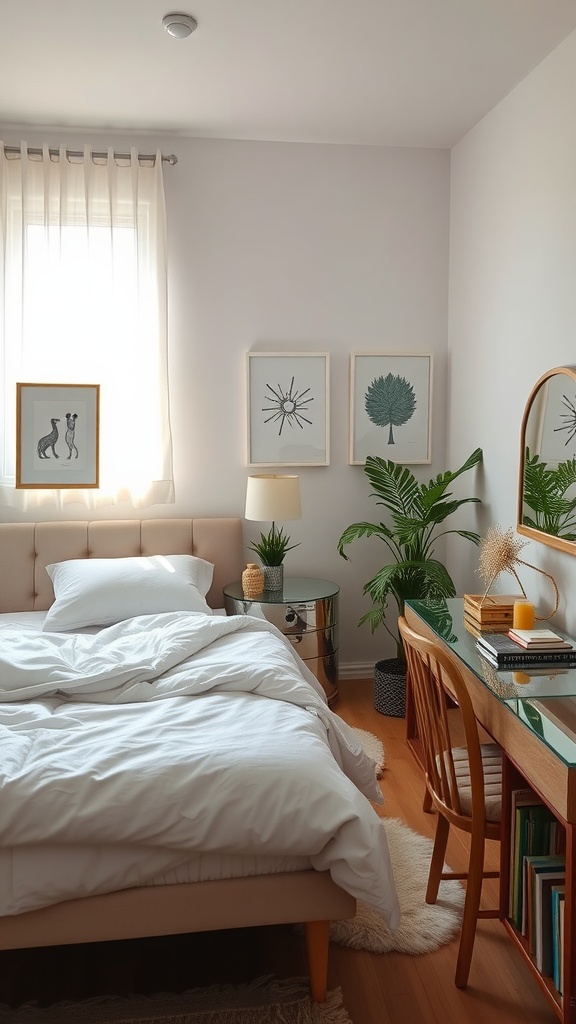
(543, 698)
(296, 589)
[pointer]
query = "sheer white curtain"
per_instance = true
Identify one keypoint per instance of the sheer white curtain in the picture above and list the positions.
(83, 301)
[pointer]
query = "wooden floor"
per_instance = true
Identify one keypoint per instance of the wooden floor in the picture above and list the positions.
(383, 989)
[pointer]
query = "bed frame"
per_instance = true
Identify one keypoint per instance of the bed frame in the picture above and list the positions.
(309, 897)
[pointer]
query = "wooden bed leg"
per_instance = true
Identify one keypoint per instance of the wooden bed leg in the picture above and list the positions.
(317, 943)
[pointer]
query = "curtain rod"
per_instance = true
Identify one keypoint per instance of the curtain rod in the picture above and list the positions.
(77, 153)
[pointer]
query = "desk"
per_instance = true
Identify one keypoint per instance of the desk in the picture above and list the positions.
(534, 721)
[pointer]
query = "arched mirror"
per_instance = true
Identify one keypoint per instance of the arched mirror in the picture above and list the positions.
(547, 485)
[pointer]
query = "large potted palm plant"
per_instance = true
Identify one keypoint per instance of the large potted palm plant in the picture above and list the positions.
(416, 512)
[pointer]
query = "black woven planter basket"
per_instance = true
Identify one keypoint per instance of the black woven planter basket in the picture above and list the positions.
(390, 688)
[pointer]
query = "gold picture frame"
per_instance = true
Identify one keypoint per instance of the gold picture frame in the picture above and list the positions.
(57, 435)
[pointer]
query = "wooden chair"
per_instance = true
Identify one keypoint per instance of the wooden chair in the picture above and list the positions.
(464, 783)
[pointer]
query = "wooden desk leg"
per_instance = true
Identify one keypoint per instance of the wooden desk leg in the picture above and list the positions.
(412, 739)
(509, 780)
(411, 727)
(317, 945)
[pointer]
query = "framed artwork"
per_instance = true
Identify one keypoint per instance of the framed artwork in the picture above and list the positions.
(57, 435)
(288, 408)
(390, 407)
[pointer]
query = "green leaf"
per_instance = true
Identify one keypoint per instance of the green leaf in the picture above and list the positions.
(357, 530)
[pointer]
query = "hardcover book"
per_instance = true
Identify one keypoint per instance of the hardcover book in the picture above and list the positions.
(538, 635)
(538, 639)
(543, 918)
(558, 900)
(477, 629)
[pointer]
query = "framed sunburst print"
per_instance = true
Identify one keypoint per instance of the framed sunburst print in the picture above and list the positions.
(390, 407)
(288, 409)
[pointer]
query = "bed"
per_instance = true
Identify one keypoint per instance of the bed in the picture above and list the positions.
(229, 828)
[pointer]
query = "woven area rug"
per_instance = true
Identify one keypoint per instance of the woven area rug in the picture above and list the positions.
(265, 1001)
(424, 927)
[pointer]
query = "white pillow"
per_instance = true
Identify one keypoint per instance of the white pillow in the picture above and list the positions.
(100, 591)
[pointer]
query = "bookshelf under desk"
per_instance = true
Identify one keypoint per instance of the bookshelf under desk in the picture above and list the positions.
(532, 715)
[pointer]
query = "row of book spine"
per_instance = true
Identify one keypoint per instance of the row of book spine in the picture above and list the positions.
(537, 882)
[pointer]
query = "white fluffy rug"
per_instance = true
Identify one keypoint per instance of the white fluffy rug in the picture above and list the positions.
(424, 927)
(373, 747)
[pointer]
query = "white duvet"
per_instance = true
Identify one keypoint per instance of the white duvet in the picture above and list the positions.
(186, 732)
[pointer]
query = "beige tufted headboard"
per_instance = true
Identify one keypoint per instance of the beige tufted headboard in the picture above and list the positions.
(27, 548)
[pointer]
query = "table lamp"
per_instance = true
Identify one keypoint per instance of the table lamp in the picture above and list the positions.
(273, 496)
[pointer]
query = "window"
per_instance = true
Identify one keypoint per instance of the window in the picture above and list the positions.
(84, 302)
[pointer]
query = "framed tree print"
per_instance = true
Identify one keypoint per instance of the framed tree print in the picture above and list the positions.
(57, 435)
(288, 408)
(390, 407)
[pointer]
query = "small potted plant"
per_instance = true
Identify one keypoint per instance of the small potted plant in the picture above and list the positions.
(271, 549)
(416, 511)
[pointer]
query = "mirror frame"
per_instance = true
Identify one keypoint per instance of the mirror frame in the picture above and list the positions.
(528, 531)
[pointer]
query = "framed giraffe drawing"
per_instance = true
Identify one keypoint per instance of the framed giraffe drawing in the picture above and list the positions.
(57, 435)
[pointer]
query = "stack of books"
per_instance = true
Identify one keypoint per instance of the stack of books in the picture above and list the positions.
(526, 647)
(537, 880)
(490, 613)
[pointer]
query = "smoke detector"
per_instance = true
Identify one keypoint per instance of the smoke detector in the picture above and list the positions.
(179, 25)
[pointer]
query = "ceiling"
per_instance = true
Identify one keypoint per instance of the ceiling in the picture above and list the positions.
(367, 72)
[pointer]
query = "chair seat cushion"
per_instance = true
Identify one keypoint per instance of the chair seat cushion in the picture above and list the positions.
(492, 765)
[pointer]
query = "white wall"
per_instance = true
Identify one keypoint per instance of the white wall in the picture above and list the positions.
(294, 247)
(512, 310)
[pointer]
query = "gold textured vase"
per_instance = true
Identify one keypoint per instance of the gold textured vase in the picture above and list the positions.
(252, 580)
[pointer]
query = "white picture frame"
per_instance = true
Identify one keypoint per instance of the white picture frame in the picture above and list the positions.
(288, 408)
(407, 439)
(57, 435)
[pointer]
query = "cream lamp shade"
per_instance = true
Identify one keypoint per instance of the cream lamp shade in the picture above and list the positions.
(272, 497)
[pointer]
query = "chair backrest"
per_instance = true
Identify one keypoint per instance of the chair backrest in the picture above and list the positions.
(430, 672)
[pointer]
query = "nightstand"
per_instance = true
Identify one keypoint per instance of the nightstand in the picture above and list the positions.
(306, 611)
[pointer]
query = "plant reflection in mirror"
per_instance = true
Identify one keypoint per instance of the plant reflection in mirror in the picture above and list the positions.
(545, 494)
(533, 717)
(440, 618)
